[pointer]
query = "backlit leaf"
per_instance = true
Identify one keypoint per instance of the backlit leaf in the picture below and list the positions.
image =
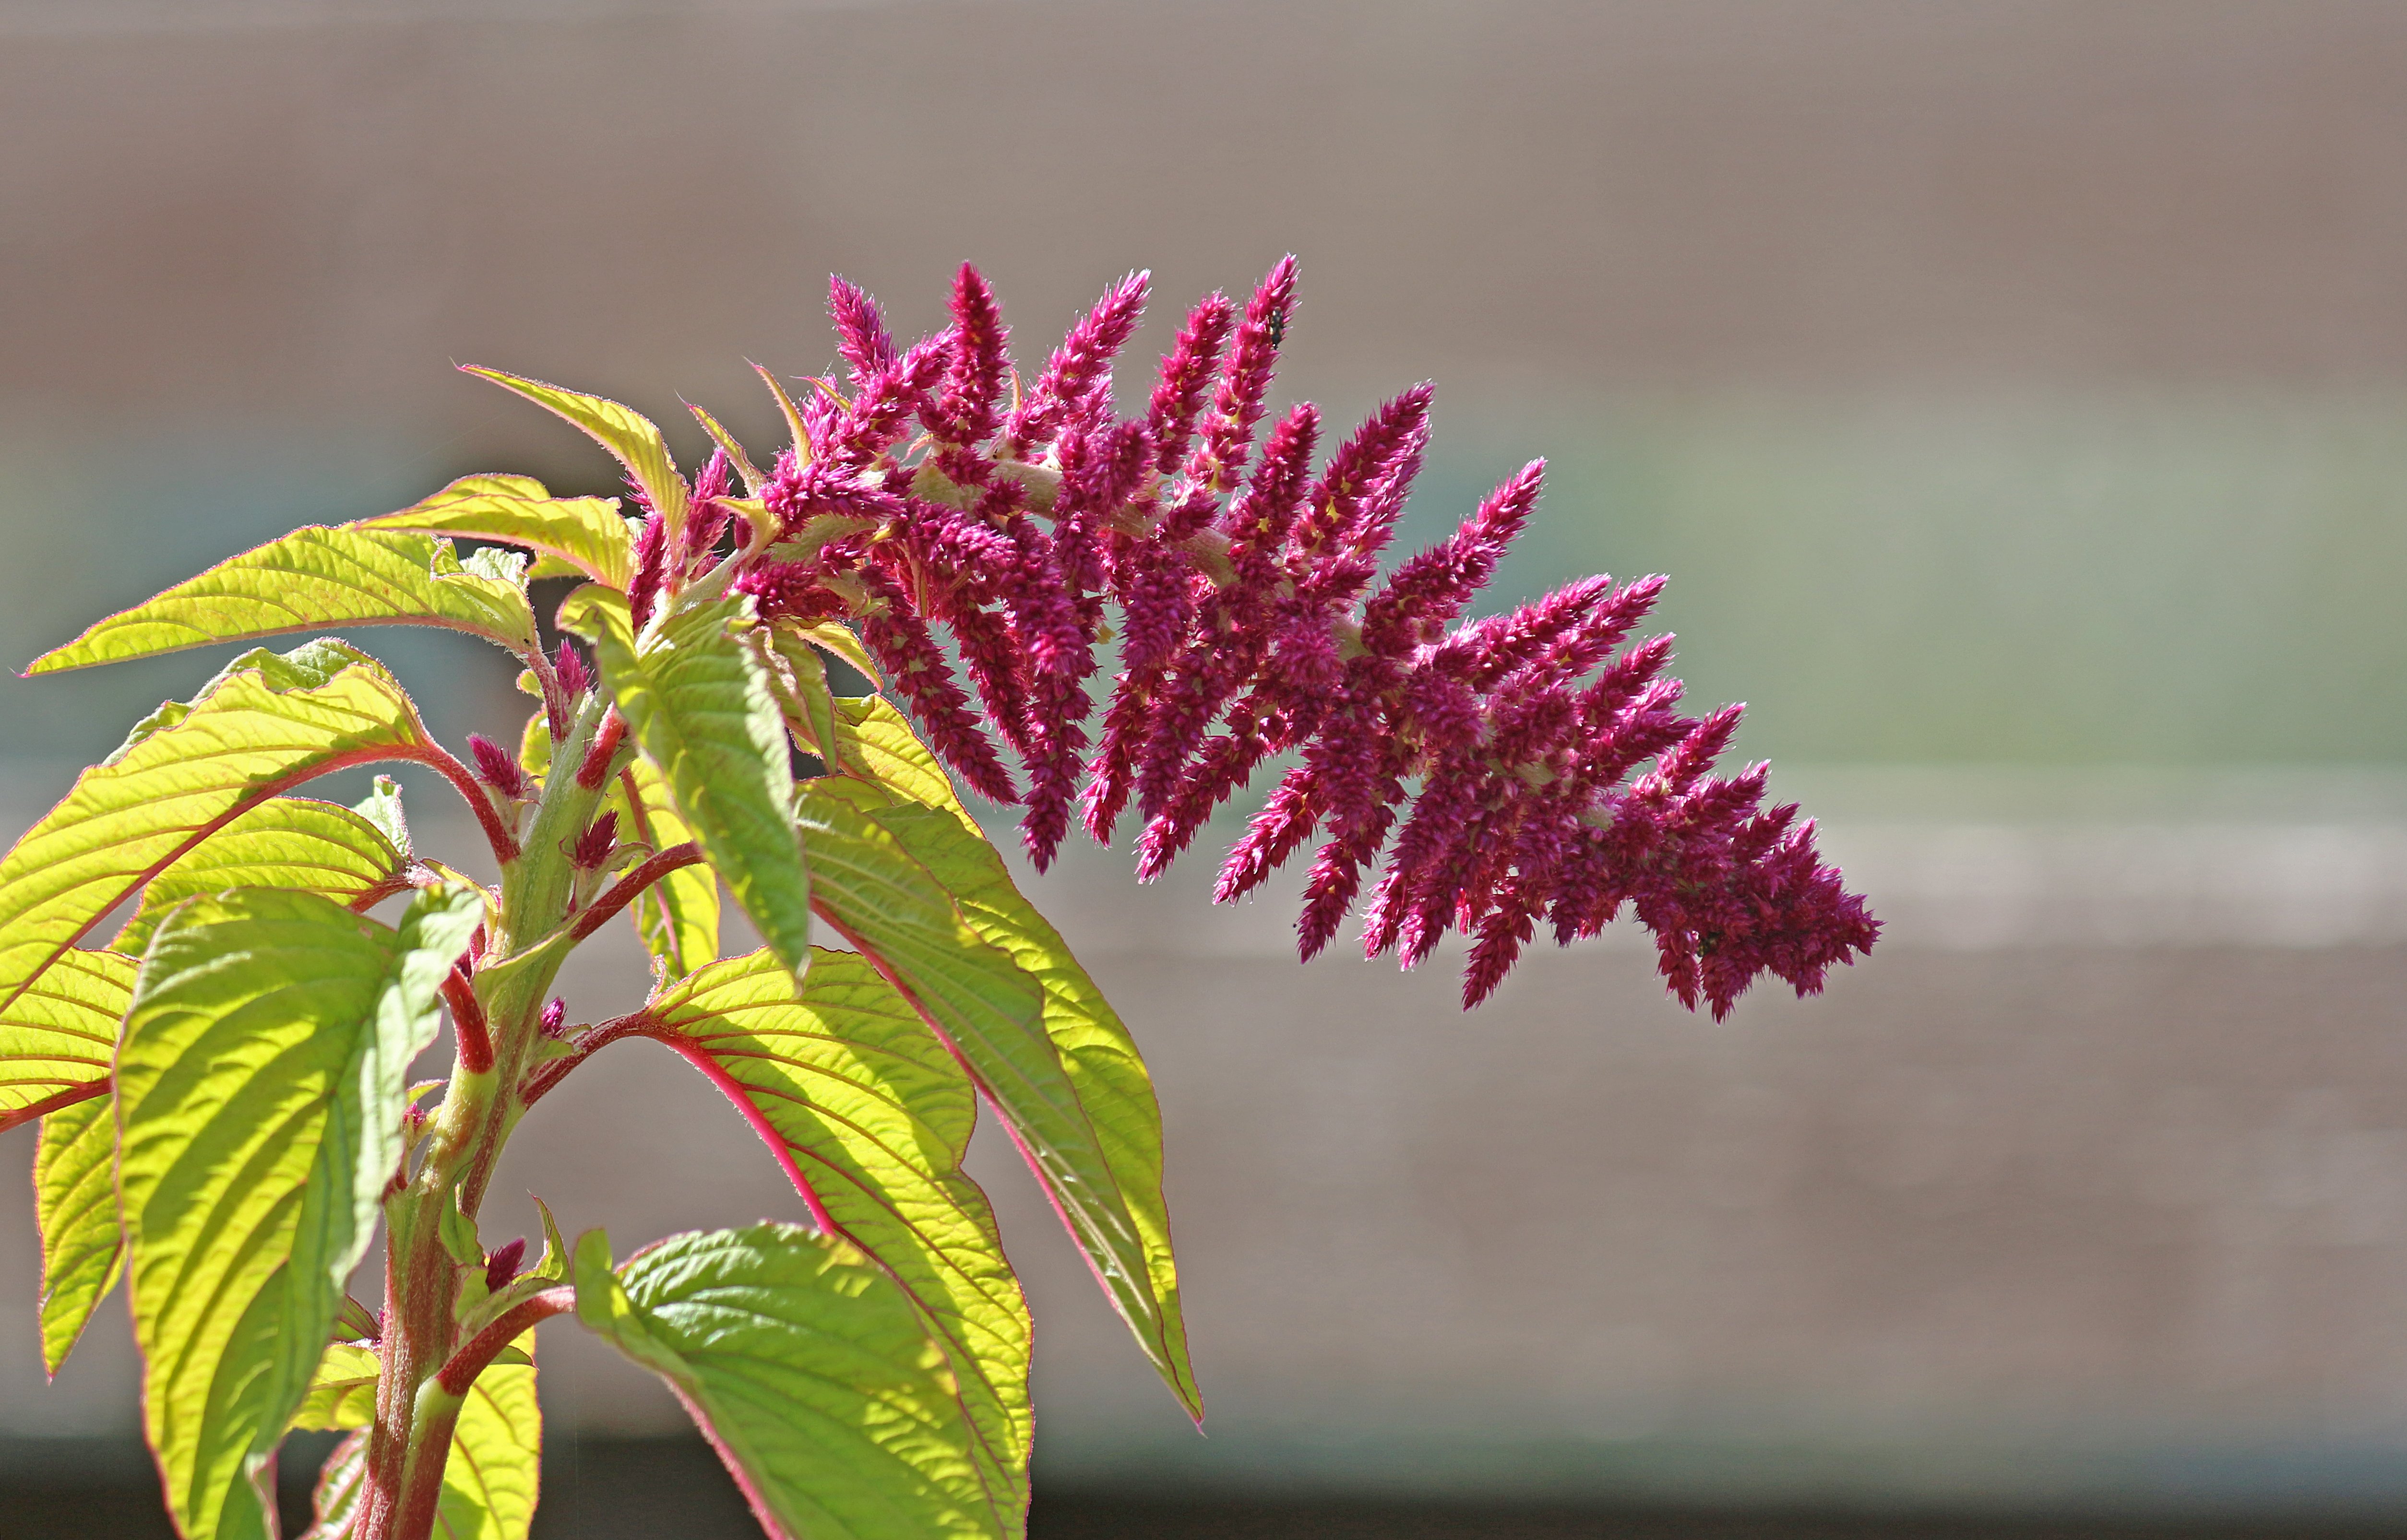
(870, 1116)
(59, 1035)
(491, 1478)
(992, 1013)
(308, 580)
(286, 841)
(1098, 1054)
(260, 1096)
(75, 1199)
(268, 722)
(699, 707)
(810, 1373)
(628, 435)
(677, 917)
(588, 535)
(342, 1393)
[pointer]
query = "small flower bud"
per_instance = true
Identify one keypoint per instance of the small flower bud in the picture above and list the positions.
(501, 1265)
(593, 847)
(554, 1022)
(498, 767)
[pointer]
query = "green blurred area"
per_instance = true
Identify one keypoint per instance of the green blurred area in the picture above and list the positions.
(2194, 580)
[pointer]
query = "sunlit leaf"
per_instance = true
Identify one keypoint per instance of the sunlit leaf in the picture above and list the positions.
(75, 1199)
(491, 1478)
(260, 1097)
(699, 707)
(753, 479)
(677, 917)
(286, 841)
(992, 1013)
(628, 435)
(59, 1035)
(869, 1115)
(342, 1393)
(307, 581)
(587, 535)
(340, 1500)
(808, 1370)
(268, 722)
(1113, 1087)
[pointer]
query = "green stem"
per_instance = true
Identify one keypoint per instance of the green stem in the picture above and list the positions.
(411, 1440)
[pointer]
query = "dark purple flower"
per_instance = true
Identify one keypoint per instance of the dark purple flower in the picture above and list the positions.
(498, 767)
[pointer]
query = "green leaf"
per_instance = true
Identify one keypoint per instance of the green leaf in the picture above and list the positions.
(75, 1200)
(880, 746)
(285, 841)
(699, 705)
(268, 722)
(493, 1476)
(342, 1491)
(258, 1091)
(678, 916)
(627, 433)
(310, 579)
(870, 1117)
(1100, 1056)
(342, 1393)
(992, 1015)
(807, 1369)
(382, 808)
(753, 480)
(584, 534)
(59, 1034)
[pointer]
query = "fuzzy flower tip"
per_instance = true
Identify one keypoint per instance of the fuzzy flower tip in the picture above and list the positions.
(497, 766)
(1484, 778)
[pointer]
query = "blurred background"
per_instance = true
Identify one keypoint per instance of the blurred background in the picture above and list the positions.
(2016, 391)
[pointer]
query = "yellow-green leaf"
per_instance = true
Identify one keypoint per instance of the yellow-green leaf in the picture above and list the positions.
(677, 917)
(700, 706)
(870, 1117)
(584, 534)
(266, 723)
(753, 479)
(1100, 1058)
(58, 1036)
(493, 1475)
(285, 841)
(342, 1393)
(260, 1097)
(810, 1372)
(627, 433)
(311, 579)
(75, 1199)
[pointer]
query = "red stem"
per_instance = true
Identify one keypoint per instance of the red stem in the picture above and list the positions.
(596, 767)
(622, 892)
(52, 1102)
(497, 834)
(456, 1375)
(468, 1022)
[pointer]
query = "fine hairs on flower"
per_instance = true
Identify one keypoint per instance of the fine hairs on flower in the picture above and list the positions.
(1496, 773)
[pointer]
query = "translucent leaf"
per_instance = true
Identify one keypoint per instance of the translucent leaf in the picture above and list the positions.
(584, 534)
(628, 435)
(678, 916)
(382, 808)
(286, 841)
(340, 1499)
(870, 1117)
(260, 1100)
(342, 1393)
(268, 722)
(57, 1037)
(700, 706)
(753, 479)
(992, 1014)
(310, 579)
(1100, 1058)
(809, 1372)
(75, 1200)
(880, 746)
(493, 1476)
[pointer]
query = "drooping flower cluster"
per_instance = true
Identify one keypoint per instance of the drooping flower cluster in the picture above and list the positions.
(1498, 773)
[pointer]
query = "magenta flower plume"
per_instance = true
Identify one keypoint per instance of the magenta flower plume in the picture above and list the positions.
(595, 846)
(576, 677)
(1480, 777)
